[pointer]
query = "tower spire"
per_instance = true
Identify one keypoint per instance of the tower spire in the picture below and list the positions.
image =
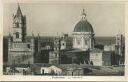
(19, 13)
(19, 23)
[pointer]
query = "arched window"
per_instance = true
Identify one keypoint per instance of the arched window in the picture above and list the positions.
(17, 25)
(17, 34)
(63, 44)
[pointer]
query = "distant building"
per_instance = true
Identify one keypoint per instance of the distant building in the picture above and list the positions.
(120, 48)
(47, 69)
(103, 58)
(105, 40)
(108, 58)
(74, 72)
(59, 69)
(22, 69)
(74, 56)
(110, 47)
(61, 43)
(72, 69)
(54, 57)
(66, 42)
(96, 57)
(43, 45)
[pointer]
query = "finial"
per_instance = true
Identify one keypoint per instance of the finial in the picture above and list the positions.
(38, 35)
(83, 13)
(32, 33)
(83, 10)
(9, 34)
(18, 10)
(119, 31)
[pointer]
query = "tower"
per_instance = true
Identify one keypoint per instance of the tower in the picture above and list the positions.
(57, 43)
(63, 43)
(120, 48)
(54, 56)
(83, 34)
(19, 26)
(21, 49)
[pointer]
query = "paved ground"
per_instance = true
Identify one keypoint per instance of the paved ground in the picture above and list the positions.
(105, 71)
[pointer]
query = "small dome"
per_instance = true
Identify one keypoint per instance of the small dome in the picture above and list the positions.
(83, 26)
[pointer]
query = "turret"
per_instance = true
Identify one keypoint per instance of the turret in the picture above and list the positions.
(9, 41)
(57, 43)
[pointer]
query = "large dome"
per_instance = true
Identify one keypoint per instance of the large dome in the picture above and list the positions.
(83, 26)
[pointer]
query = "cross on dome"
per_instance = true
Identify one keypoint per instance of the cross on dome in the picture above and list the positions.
(83, 13)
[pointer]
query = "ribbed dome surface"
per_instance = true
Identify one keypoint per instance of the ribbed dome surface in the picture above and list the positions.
(83, 26)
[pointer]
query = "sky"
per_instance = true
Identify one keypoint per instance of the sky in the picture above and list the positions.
(54, 18)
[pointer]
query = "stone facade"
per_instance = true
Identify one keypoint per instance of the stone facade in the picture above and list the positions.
(120, 48)
(75, 72)
(109, 47)
(96, 57)
(54, 57)
(43, 45)
(103, 58)
(47, 69)
(83, 40)
(60, 43)
(20, 51)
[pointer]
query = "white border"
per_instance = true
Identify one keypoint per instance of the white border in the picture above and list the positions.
(66, 78)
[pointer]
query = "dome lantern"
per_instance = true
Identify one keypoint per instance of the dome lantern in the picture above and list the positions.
(83, 15)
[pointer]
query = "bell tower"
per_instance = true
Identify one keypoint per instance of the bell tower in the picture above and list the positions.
(19, 26)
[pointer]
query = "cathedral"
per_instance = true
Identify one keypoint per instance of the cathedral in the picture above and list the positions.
(79, 48)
